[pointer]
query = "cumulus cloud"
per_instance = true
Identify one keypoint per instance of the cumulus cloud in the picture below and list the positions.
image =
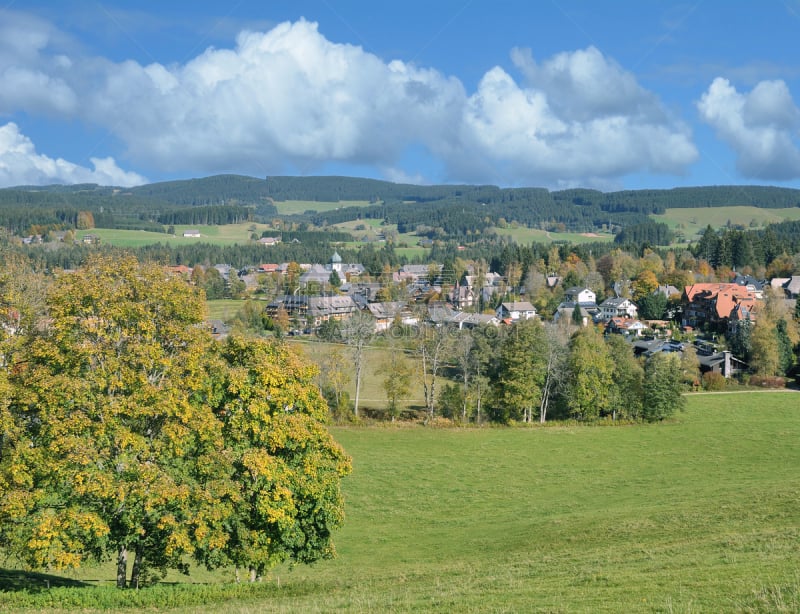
(33, 74)
(290, 100)
(761, 126)
(21, 165)
(579, 119)
(285, 96)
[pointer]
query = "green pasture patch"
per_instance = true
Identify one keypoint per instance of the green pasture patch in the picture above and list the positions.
(525, 235)
(698, 514)
(223, 309)
(229, 234)
(373, 396)
(692, 222)
(296, 207)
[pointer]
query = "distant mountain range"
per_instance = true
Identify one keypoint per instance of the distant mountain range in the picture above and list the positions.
(459, 208)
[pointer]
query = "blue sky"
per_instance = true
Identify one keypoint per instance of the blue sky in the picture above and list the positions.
(617, 95)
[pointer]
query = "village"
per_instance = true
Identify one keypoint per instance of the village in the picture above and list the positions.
(307, 297)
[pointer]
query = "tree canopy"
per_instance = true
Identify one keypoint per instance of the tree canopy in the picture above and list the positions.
(117, 434)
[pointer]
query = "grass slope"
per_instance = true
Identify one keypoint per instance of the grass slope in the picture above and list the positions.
(534, 235)
(692, 222)
(229, 234)
(296, 207)
(373, 395)
(699, 515)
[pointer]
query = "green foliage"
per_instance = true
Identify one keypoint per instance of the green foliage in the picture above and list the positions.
(785, 352)
(663, 388)
(577, 316)
(648, 233)
(127, 430)
(397, 372)
(285, 465)
(102, 402)
(590, 367)
(628, 376)
(652, 306)
(252, 316)
(739, 340)
(451, 401)
(714, 382)
(517, 385)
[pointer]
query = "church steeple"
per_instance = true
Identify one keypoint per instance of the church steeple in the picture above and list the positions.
(336, 262)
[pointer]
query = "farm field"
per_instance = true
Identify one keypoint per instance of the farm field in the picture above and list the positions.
(294, 207)
(373, 396)
(373, 226)
(223, 309)
(229, 234)
(696, 515)
(692, 222)
(534, 235)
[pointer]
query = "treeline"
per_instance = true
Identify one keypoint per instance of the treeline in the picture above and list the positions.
(650, 233)
(735, 248)
(223, 199)
(528, 372)
(215, 215)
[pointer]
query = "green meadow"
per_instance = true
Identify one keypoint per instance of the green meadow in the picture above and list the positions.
(373, 395)
(696, 515)
(229, 234)
(692, 222)
(525, 235)
(295, 207)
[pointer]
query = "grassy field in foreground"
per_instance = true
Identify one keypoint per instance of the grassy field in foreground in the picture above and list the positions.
(697, 515)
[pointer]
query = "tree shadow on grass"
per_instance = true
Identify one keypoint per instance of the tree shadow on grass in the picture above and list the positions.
(18, 580)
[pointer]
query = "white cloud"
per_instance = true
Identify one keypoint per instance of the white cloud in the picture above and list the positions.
(761, 127)
(21, 165)
(289, 100)
(33, 75)
(286, 96)
(580, 120)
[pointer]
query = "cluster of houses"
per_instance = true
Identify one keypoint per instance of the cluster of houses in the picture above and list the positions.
(717, 306)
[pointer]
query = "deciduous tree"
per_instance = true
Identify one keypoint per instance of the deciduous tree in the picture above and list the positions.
(662, 387)
(285, 466)
(107, 398)
(590, 375)
(521, 372)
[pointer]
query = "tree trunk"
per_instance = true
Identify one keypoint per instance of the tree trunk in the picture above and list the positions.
(122, 566)
(137, 567)
(358, 387)
(545, 400)
(253, 574)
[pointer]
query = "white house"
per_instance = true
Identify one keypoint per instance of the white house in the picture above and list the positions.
(618, 307)
(518, 310)
(191, 233)
(580, 295)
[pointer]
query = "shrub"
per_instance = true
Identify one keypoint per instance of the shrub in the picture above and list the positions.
(713, 382)
(768, 381)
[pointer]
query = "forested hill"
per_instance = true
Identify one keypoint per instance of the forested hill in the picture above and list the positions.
(455, 209)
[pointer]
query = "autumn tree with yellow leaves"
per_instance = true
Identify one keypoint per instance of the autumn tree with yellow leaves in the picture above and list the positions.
(127, 431)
